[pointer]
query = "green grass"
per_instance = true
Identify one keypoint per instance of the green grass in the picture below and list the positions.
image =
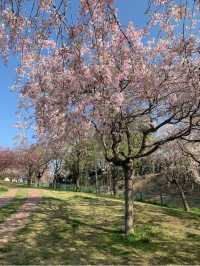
(79, 228)
(13, 206)
(195, 210)
(170, 206)
(3, 189)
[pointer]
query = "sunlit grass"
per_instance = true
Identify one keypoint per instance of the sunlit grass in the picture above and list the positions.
(79, 228)
(3, 189)
(13, 206)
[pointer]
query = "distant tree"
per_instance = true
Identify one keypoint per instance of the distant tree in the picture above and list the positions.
(33, 162)
(41, 165)
(7, 159)
(56, 153)
(176, 169)
(81, 159)
(191, 151)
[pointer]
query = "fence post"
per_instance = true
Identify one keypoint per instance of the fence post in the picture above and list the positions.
(161, 199)
(141, 196)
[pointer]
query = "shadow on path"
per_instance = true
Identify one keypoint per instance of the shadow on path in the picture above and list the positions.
(19, 219)
(7, 197)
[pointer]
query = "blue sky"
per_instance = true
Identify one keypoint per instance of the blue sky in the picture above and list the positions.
(129, 10)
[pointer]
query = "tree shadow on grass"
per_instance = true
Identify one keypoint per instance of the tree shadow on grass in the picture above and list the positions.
(102, 201)
(10, 208)
(60, 234)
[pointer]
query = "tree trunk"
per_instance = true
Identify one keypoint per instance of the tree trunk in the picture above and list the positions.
(183, 197)
(128, 194)
(114, 185)
(38, 182)
(29, 176)
(96, 180)
(114, 175)
(55, 182)
(77, 183)
(29, 181)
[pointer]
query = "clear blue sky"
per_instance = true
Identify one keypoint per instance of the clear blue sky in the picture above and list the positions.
(129, 10)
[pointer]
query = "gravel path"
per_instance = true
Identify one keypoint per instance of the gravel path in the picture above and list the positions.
(19, 219)
(8, 196)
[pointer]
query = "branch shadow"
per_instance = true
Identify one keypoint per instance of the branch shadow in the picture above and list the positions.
(84, 230)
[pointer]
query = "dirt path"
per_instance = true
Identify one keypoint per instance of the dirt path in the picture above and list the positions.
(19, 219)
(8, 196)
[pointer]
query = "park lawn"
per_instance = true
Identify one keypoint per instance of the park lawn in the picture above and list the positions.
(3, 189)
(14, 205)
(80, 228)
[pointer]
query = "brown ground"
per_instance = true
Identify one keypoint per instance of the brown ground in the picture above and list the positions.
(7, 197)
(19, 219)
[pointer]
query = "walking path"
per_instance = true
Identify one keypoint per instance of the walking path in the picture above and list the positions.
(8, 196)
(19, 219)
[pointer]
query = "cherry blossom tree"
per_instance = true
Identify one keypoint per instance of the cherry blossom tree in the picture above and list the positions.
(190, 149)
(33, 162)
(135, 95)
(7, 159)
(176, 169)
(41, 165)
(26, 162)
(27, 26)
(135, 91)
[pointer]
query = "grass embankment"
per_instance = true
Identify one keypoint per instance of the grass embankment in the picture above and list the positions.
(78, 228)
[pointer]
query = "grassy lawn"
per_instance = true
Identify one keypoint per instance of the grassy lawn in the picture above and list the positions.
(78, 228)
(13, 206)
(3, 189)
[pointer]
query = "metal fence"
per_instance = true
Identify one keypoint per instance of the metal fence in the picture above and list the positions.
(171, 200)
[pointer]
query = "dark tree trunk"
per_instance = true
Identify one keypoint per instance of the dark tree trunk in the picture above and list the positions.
(29, 181)
(38, 182)
(183, 197)
(76, 171)
(114, 185)
(39, 175)
(29, 176)
(128, 194)
(96, 181)
(55, 182)
(77, 183)
(109, 184)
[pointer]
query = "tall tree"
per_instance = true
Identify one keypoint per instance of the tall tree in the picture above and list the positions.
(134, 94)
